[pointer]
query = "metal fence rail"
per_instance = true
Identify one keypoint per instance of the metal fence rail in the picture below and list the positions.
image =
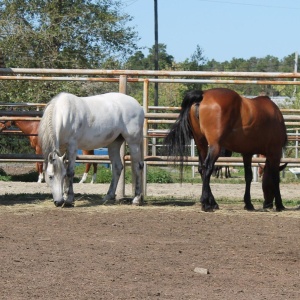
(292, 117)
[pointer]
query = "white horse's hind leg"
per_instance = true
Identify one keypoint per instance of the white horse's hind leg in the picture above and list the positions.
(137, 165)
(117, 167)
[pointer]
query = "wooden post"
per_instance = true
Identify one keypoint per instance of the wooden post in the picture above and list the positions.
(145, 130)
(121, 184)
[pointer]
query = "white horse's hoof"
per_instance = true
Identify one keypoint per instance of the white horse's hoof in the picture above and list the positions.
(138, 200)
(109, 200)
(68, 204)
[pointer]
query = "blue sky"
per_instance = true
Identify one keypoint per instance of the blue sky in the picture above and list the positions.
(223, 29)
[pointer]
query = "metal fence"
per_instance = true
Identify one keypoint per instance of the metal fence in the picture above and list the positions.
(152, 116)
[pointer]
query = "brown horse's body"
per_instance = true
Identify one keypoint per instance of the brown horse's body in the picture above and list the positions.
(219, 118)
(31, 129)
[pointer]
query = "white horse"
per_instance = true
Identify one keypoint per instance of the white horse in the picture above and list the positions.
(71, 122)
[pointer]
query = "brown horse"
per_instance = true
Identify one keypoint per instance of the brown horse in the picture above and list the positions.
(219, 118)
(30, 128)
(87, 168)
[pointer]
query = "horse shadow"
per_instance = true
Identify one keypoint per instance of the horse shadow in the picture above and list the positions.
(17, 199)
(89, 200)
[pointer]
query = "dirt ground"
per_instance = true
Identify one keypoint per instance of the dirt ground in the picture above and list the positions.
(163, 250)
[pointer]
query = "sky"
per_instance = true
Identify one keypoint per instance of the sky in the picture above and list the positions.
(223, 29)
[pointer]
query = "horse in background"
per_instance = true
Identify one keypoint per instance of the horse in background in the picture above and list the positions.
(70, 123)
(30, 129)
(218, 169)
(220, 117)
(261, 166)
(88, 167)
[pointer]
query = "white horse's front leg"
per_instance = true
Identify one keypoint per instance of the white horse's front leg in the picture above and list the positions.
(68, 184)
(68, 191)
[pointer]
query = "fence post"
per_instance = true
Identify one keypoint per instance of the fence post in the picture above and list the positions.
(145, 145)
(193, 154)
(121, 184)
(254, 171)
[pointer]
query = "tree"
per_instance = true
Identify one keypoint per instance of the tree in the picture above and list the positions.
(139, 61)
(196, 61)
(64, 33)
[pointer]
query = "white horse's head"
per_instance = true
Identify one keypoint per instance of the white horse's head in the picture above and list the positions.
(55, 173)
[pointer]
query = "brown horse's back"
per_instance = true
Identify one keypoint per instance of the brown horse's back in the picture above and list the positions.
(239, 124)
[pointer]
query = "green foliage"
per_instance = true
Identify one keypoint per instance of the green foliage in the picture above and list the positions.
(139, 61)
(158, 175)
(62, 34)
(154, 175)
(65, 34)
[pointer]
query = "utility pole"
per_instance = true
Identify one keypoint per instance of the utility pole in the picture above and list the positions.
(156, 52)
(295, 71)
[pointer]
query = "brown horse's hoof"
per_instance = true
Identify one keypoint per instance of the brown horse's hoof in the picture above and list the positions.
(207, 208)
(280, 208)
(268, 206)
(216, 206)
(249, 207)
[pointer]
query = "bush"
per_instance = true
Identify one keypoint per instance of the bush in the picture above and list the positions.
(104, 175)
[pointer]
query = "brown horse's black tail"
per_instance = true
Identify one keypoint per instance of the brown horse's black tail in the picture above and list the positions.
(178, 140)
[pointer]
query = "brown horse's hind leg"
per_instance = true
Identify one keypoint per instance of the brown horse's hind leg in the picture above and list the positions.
(270, 185)
(207, 199)
(248, 178)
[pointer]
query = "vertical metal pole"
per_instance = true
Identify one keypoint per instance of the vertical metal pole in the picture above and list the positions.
(154, 146)
(297, 143)
(193, 154)
(145, 106)
(254, 171)
(121, 184)
(156, 51)
(295, 71)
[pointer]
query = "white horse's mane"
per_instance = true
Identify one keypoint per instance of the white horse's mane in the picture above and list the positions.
(46, 134)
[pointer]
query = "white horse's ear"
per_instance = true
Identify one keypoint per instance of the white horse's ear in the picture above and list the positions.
(50, 157)
(64, 157)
